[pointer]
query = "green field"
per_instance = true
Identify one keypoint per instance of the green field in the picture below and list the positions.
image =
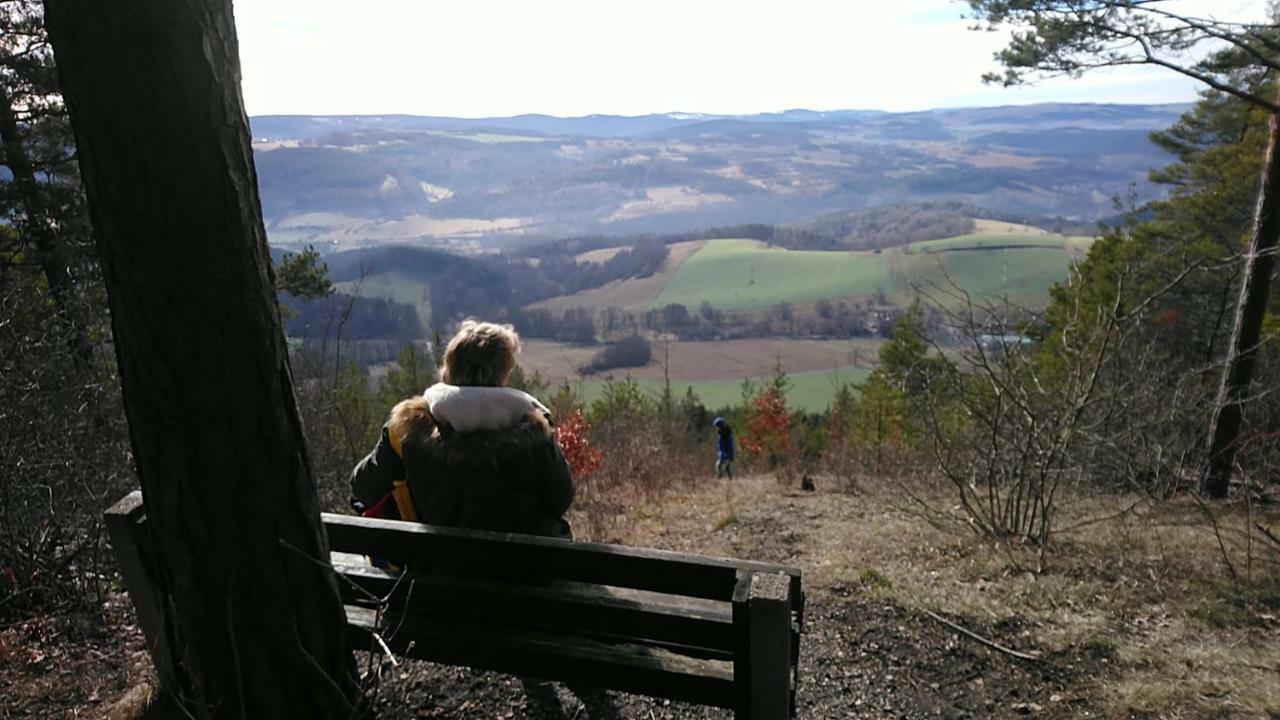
(746, 274)
(811, 391)
(750, 274)
(1022, 275)
(395, 286)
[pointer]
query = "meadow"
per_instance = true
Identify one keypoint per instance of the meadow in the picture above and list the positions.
(810, 391)
(396, 286)
(746, 274)
(1022, 275)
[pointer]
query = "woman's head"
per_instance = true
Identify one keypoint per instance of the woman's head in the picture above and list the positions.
(481, 353)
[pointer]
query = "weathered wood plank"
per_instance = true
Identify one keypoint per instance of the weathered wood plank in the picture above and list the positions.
(553, 656)
(704, 626)
(508, 554)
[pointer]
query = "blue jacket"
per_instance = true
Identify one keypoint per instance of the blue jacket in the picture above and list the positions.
(724, 442)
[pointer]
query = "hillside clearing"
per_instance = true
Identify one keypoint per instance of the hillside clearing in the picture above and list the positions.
(600, 255)
(1021, 275)
(982, 226)
(746, 274)
(634, 294)
(395, 286)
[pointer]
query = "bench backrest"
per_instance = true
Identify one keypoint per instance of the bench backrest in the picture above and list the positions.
(527, 556)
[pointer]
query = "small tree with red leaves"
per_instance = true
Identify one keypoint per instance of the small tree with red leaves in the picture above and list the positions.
(768, 431)
(571, 435)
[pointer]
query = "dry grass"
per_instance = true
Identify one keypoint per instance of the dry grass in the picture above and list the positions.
(1141, 589)
(666, 199)
(711, 360)
(598, 256)
(997, 227)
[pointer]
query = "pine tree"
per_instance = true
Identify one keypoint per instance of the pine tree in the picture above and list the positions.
(1067, 36)
(40, 195)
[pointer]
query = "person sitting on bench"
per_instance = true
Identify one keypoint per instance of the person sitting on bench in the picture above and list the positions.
(515, 479)
(475, 454)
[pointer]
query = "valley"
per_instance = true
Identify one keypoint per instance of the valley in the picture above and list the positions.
(716, 311)
(486, 184)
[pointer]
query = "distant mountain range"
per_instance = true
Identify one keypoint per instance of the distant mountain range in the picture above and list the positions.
(345, 181)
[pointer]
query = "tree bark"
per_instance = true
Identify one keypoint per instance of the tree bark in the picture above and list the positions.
(1246, 333)
(252, 614)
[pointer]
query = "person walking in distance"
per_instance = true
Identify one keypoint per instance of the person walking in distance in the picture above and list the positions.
(724, 448)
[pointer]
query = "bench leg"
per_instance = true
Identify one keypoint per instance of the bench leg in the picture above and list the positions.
(762, 659)
(124, 527)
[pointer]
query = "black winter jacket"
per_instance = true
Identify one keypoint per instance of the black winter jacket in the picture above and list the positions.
(512, 480)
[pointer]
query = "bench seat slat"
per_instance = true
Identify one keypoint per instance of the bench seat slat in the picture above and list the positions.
(564, 606)
(629, 667)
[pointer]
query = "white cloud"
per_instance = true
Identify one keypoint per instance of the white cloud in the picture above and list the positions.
(567, 57)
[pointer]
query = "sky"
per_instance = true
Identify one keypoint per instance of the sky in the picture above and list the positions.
(477, 58)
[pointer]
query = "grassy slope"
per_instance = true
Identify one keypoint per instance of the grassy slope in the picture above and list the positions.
(811, 391)
(745, 274)
(397, 286)
(750, 274)
(634, 294)
(1023, 275)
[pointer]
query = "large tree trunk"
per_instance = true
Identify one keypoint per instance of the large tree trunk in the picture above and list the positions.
(253, 618)
(1251, 308)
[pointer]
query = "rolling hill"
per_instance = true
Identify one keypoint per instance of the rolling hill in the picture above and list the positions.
(1013, 261)
(350, 181)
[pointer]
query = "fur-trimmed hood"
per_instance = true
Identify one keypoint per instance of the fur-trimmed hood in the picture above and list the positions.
(413, 425)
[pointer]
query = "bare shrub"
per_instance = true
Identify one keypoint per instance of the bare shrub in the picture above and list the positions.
(641, 462)
(1004, 431)
(64, 457)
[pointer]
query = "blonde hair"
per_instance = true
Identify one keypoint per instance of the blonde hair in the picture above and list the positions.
(481, 353)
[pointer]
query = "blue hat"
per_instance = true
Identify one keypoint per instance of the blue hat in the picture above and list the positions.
(718, 422)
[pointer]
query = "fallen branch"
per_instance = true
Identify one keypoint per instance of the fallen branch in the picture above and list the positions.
(975, 636)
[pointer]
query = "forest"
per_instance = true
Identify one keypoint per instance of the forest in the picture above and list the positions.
(1053, 510)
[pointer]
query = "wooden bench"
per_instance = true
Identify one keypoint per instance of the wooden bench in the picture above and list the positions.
(699, 629)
